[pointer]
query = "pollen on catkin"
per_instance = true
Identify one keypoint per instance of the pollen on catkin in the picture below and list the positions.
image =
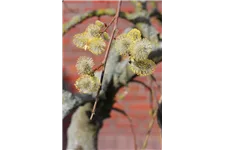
(99, 23)
(92, 38)
(87, 84)
(81, 40)
(142, 68)
(97, 46)
(93, 30)
(123, 44)
(134, 34)
(141, 49)
(84, 65)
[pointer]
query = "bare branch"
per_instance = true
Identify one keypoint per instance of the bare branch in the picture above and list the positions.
(106, 57)
(158, 85)
(150, 125)
(131, 124)
(72, 101)
(109, 24)
(102, 64)
(145, 85)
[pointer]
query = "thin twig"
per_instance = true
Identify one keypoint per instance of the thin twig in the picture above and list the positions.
(150, 125)
(154, 112)
(131, 124)
(102, 64)
(158, 85)
(106, 57)
(145, 85)
(109, 24)
(151, 122)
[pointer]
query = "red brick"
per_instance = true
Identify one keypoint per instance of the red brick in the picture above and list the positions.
(158, 68)
(125, 125)
(106, 125)
(104, 1)
(139, 116)
(134, 86)
(139, 107)
(70, 59)
(142, 79)
(136, 97)
(127, 9)
(119, 106)
(66, 40)
(67, 77)
(113, 114)
(155, 128)
(106, 19)
(98, 59)
(70, 2)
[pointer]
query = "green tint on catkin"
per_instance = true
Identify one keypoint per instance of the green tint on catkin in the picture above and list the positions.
(84, 65)
(92, 38)
(87, 84)
(138, 50)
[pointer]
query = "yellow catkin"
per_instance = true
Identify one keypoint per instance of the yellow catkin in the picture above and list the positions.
(87, 84)
(84, 65)
(142, 68)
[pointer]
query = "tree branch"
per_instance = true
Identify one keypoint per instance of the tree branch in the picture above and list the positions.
(106, 58)
(100, 12)
(148, 87)
(139, 5)
(150, 125)
(145, 85)
(157, 14)
(73, 101)
(131, 124)
(123, 75)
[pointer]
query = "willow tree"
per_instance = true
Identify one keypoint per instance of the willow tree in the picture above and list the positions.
(133, 53)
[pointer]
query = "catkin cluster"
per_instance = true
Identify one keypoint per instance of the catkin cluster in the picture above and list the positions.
(92, 38)
(87, 82)
(131, 44)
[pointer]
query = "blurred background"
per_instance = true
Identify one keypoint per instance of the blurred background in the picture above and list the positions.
(116, 132)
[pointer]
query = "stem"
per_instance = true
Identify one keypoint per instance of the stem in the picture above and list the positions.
(150, 125)
(149, 130)
(109, 24)
(106, 57)
(102, 64)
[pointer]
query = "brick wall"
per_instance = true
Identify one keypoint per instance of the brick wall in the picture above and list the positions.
(116, 133)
